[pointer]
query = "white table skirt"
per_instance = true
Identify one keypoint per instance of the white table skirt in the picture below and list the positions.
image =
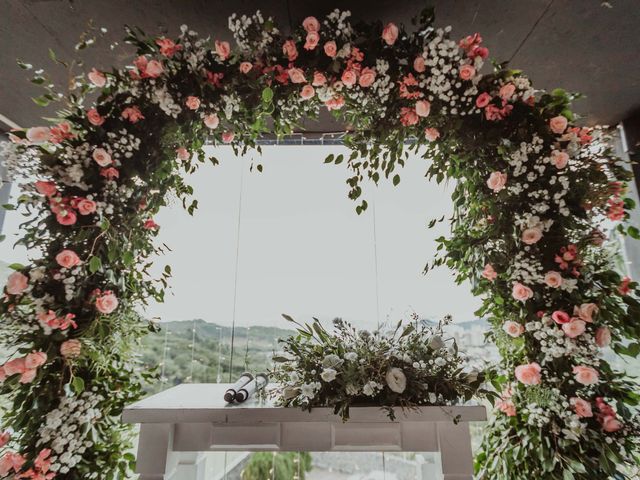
(194, 417)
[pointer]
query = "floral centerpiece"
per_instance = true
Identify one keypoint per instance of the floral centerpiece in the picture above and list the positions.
(408, 366)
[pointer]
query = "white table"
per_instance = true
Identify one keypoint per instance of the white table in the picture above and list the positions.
(193, 417)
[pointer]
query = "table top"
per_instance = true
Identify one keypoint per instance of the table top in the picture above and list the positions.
(203, 402)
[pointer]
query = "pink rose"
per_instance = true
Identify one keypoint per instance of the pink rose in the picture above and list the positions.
(167, 47)
(560, 317)
(419, 65)
(227, 137)
(431, 134)
(17, 283)
(489, 273)
(558, 124)
(211, 121)
(574, 328)
(521, 292)
(98, 78)
(553, 279)
(289, 49)
(581, 407)
(390, 33)
(154, 69)
(4, 438)
(192, 103)
(86, 206)
(71, 348)
(531, 235)
(497, 181)
(335, 103)
(38, 134)
(245, 67)
(585, 375)
(330, 49)
(560, 159)
(423, 107)
(467, 72)
(14, 366)
(483, 100)
(94, 117)
(513, 329)
(312, 40)
(311, 24)
(586, 311)
(603, 337)
(507, 407)
(610, 424)
(307, 92)
(67, 259)
(46, 188)
(223, 49)
(182, 153)
(66, 217)
(319, 79)
(106, 303)
(507, 91)
(529, 373)
(349, 77)
(102, 157)
(35, 360)
(133, 114)
(367, 77)
(408, 116)
(296, 75)
(28, 375)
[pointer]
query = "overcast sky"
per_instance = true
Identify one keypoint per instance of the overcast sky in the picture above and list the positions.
(303, 250)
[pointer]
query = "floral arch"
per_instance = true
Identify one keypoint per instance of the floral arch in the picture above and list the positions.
(532, 190)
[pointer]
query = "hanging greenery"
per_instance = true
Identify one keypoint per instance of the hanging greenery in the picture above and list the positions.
(531, 194)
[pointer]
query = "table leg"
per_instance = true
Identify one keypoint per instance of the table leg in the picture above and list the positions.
(156, 460)
(454, 443)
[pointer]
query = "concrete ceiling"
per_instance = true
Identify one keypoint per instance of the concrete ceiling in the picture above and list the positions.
(581, 45)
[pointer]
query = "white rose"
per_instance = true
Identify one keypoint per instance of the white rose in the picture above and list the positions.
(396, 380)
(328, 375)
(351, 356)
(307, 390)
(331, 360)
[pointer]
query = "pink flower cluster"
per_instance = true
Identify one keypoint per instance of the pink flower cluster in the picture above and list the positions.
(39, 471)
(26, 367)
(51, 320)
(569, 260)
(106, 301)
(65, 208)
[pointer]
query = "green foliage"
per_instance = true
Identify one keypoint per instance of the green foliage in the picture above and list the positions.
(277, 466)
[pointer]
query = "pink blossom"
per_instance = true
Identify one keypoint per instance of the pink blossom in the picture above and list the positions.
(521, 292)
(529, 373)
(71, 348)
(133, 114)
(182, 153)
(560, 159)
(228, 136)
(14, 366)
(312, 40)
(212, 121)
(497, 181)
(94, 117)
(67, 259)
(167, 47)
(149, 224)
(558, 124)
(319, 79)
(408, 116)
(560, 317)
(192, 103)
(296, 75)
(624, 287)
(367, 77)
(311, 24)
(467, 72)
(98, 78)
(86, 206)
(419, 65)
(586, 311)
(28, 375)
(245, 67)
(431, 134)
(585, 375)
(46, 188)
(11, 460)
(581, 407)
(17, 283)
(35, 360)
(335, 103)
(489, 273)
(330, 49)
(610, 424)
(153, 70)
(603, 337)
(4, 438)
(513, 329)
(507, 91)
(66, 217)
(110, 173)
(553, 279)
(483, 100)
(531, 235)
(307, 92)
(102, 157)
(106, 303)
(289, 49)
(349, 77)
(507, 407)
(423, 107)
(574, 328)
(61, 132)
(390, 33)
(222, 49)
(38, 134)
